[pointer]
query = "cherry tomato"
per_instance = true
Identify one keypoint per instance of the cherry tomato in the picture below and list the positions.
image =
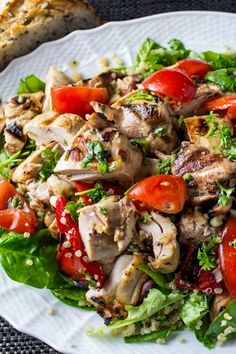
(7, 191)
(172, 83)
(72, 257)
(194, 67)
(220, 103)
(20, 219)
(231, 113)
(228, 256)
(69, 99)
(17, 220)
(164, 193)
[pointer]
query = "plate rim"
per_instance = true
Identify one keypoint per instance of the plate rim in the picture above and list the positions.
(15, 61)
(111, 24)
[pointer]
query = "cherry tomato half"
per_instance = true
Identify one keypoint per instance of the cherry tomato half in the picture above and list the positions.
(164, 193)
(194, 67)
(69, 99)
(220, 103)
(175, 84)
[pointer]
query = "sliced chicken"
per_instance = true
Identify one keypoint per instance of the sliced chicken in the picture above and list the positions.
(162, 233)
(50, 126)
(96, 154)
(59, 186)
(106, 229)
(141, 119)
(219, 304)
(31, 166)
(205, 92)
(148, 168)
(205, 168)
(128, 84)
(195, 227)
(38, 195)
(55, 77)
(123, 287)
(14, 115)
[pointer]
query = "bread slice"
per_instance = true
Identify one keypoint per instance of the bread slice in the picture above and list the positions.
(24, 24)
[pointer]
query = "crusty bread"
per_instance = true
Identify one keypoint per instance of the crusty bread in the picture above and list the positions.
(24, 24)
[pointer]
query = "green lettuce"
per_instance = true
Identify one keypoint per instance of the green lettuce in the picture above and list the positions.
(154, 302)
(30, 84)
(225, 78)
(194, 309)
(219, 60)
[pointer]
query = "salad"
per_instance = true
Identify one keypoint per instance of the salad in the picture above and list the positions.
(117, 193)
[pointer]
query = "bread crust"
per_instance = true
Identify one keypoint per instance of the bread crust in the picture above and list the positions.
(24, 24)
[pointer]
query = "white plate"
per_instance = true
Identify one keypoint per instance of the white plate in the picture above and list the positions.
(26, 308)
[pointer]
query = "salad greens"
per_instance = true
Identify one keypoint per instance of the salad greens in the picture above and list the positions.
(30, 84)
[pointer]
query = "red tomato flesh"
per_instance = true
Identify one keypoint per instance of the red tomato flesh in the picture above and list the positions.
(7, 191)
(194, 67)
(228, 256)
(220, 103)
(164, 193)
(174, 84)
(69, 99)
(17, 220)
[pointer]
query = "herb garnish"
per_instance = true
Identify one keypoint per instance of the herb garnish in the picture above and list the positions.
(142, 95)
(96, 194)
(72, 207)
(233, 243)
(50, 159)
(160, 131)
(225, 193)
(206, 253)
(164, 168)
(142, 144)
(103, 211)
(212, 123)
(96, 150)
(144, 218)
(30, 84)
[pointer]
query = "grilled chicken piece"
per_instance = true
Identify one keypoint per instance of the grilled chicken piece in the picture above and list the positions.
(148, 168)
(31, 166)
(50, 126)
(139, 119)
(123, 287)
(194, 227)
(163, 233)
(198, 127)
(14, 116)
(206, 168)
(128, 84)
(219, 304)
(107, 79)
(59, 186)
(122, 159)
(38, 195)
(106, 229)
(205, 92)
(55, 78)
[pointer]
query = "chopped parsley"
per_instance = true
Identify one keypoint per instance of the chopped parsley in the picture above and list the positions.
(180, 120)
(96, 150)
(207, 255)
(50, 159)
(73, 207)
(160, 131)
(188, 177)
(142, 95)
(233, 243)
(142, 144)
(164, 168)
(144, 218)
(226, 134)
(225, 193)
(96, 194)
(212, 124)
(103, 211)
(16, 202)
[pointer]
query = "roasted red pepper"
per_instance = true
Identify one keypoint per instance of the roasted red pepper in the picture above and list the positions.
(71, 254)
(192, 277)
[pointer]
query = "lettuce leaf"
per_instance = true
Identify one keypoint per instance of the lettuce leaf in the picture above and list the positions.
(30, 84)
(225, 78)
(219, 60)
(194, 309)
(154, 302)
